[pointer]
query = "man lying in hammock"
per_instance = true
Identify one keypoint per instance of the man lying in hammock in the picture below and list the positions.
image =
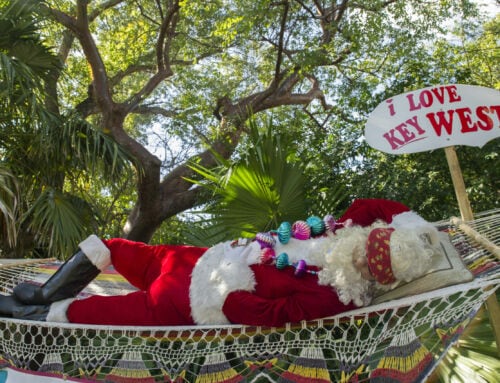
(303, 271)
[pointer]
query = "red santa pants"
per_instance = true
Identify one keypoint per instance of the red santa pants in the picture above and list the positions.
(162, 274)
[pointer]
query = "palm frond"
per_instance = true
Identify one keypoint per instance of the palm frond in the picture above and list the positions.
(258, 192)
(89, 147)
(20, 40)
(8, 206)
(474, 358)
(56, 222)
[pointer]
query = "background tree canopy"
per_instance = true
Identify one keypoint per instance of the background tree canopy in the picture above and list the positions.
(110, 108)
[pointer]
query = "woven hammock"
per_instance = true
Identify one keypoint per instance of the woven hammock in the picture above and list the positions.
(399, 340)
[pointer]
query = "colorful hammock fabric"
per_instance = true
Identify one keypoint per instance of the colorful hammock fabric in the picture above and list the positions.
(399, 340)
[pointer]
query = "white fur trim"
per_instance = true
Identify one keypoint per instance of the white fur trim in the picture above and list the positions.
(220, 271)
(412, 221)
(96, 251)
(224, 269)
(339, 270)
(313, 250)
(57, 311)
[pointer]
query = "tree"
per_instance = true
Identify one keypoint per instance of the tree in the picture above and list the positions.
(42, 153)
(199, 70)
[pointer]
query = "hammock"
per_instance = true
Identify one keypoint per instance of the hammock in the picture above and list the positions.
(397, 340)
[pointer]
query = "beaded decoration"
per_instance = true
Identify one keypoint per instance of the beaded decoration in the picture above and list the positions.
(302, 230)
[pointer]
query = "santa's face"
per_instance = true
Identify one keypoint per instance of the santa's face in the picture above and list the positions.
(361, 263)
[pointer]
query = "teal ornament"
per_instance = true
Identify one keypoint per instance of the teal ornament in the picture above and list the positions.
(316, 224)
(282, 261)
(284, 232)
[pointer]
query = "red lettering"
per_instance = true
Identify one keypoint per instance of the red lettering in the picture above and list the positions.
(452, 93)
(391, 107)
(426, 98)
(439, 93)
(496, 109)
(441, 121)
(394, 141)
(481, 112)
(465, 119)
(407, 135)
(412, 102)
(413, 122)
(444, 120)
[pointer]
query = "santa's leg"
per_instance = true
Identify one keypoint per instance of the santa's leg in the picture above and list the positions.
(163, 305)
(132, 309)
(137, 262)
(141, 264)
(77, 272)
(136, 309)
(165, 269)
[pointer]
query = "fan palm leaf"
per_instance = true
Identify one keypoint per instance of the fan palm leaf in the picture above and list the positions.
(56, 221)
(255, 194)
(474, 358)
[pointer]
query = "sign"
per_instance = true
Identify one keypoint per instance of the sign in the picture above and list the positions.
(435, 117)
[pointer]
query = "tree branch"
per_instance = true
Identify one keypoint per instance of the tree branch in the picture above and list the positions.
(143, 109)
(279, 57)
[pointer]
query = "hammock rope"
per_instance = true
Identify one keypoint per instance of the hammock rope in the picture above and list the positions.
(400, 340)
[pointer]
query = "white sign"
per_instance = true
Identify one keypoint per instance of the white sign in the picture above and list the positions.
(435, 117)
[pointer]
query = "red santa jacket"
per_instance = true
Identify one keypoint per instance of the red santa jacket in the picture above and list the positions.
(184, 285)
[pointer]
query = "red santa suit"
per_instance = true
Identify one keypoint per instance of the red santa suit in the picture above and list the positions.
(185, 285)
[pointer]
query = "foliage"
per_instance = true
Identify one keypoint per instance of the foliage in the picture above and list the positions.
(258, 192)
(320, 77)
(24, 61)
(8, 206)
(474, 358)
(420, 180)
(173, 82)
(43, 155)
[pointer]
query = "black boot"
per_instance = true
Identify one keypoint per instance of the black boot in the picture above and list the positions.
(12, 308)
(71, 278)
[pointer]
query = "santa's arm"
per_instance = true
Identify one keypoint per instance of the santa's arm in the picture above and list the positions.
(244, 307)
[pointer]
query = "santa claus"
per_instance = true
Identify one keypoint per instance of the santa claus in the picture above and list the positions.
(276, 278)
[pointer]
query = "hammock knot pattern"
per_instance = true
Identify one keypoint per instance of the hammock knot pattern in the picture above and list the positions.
(397, 340)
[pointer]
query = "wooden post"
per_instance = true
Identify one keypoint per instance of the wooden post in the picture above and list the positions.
(458, 184)
(466, 212)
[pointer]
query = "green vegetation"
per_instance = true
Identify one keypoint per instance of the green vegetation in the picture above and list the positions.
(106, 106)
